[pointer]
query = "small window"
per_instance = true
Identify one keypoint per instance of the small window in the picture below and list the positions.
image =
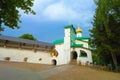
(40, 59)
(7, 58)
(25, 59)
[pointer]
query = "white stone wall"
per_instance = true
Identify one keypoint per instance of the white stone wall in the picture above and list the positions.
(63, 49)
(18, 55)
(60, 58)
(63, 55)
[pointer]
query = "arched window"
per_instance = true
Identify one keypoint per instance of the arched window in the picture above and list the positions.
(83, 53)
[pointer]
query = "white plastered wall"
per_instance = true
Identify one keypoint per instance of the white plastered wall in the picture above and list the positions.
(59, 50)
(61, 58)
(63, 49)
(18, 55)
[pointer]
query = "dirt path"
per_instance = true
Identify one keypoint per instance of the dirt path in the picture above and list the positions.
(49, 72)
(84, 73)
(26, 71)
(23, 71)
(12, 73)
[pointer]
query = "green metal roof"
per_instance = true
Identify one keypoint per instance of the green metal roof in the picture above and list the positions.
(81, 38)
(76, 45)
(71, 27)
(58, 41)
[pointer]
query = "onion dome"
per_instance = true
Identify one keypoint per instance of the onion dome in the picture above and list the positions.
(78, 30)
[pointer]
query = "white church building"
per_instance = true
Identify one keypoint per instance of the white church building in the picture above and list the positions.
(73, 48)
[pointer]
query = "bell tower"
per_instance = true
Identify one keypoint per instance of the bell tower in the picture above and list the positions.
(68, 41)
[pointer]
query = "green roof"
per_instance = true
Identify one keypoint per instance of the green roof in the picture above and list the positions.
(58, 41)
(76, 45)
(81, 38)
(69, 26)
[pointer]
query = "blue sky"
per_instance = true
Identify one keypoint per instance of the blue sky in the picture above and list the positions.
(51, 18)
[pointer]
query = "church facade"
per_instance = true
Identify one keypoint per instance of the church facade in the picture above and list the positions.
(73, 48)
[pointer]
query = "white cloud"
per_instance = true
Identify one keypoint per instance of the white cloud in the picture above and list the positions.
(59, 11)
(62, 10)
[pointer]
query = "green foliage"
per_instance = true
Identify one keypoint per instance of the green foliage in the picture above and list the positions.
(9, 12)
(28, 36)
(106, 29)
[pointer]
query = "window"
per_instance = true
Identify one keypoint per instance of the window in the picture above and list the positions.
(40, 59)
(7, 58)
(83, 53)
(25, 59)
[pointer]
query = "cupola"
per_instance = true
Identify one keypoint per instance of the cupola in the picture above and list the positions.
(78, 30)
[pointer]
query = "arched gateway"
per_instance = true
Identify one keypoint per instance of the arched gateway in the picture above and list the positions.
(74, 56)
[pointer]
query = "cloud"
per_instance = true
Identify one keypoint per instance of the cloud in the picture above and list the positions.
(53, 15)
(81, 10)
(59, 11)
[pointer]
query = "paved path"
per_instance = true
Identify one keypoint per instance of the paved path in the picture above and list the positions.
(9, 73)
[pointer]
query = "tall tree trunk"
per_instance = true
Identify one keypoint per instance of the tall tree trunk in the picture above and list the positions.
(114, 60)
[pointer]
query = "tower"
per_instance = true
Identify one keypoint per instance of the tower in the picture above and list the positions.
(78, 32)
(67, 31)
(68, 41)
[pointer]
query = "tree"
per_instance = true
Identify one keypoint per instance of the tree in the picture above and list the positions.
(9, 12)
(28, 36)
(106, 29)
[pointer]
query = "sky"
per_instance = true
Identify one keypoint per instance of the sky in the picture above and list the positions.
(51, 18)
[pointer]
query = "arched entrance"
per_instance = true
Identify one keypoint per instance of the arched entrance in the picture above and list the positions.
(73, 57)
(54, 62)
